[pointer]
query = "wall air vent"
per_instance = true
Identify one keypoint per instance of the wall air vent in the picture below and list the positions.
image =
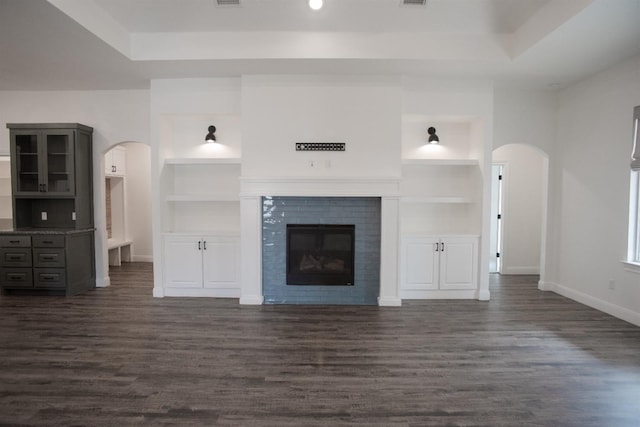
(228, 2)
(414, 2)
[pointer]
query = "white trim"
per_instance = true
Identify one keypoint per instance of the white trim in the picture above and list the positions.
(437, 294)
(202, 161)
(251, 300)
(441, 162)
(158, 292)
(104, 282)
(533, 269)
(142, 258)
(202, 292)
(631, 266)
(604, 306)
(320, 186)
(389, 301)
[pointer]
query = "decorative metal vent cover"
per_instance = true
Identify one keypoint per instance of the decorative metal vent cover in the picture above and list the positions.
(228, 2)
(320, 146)
(414, 2)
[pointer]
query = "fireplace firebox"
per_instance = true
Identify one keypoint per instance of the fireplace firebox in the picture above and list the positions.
(320, 254)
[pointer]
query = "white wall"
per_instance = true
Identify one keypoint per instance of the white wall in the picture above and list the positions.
(364, 113)
(115, 116)
(523, 193)
(138, 199)
(591, 196)
(524, 116)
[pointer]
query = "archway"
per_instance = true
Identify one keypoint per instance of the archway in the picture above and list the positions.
(523, 216)
(123, 207)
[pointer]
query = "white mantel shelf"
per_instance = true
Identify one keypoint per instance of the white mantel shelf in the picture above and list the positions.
(320, 186)
(441, 162)
(202, 161)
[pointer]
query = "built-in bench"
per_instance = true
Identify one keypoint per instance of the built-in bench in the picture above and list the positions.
(119, 252)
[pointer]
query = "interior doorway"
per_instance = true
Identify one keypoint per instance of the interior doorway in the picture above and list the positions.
(518, 205)
(127, 193)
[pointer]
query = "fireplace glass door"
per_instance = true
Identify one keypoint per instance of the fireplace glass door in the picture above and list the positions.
(320, 254)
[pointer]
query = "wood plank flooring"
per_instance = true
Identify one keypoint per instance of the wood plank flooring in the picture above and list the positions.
(118, 357)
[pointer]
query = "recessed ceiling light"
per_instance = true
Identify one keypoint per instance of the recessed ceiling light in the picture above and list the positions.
(315, 4)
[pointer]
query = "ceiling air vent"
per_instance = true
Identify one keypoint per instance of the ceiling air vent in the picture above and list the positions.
(414, 2)
(228, 2)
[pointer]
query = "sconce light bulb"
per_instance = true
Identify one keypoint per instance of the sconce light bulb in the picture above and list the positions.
(315, 4)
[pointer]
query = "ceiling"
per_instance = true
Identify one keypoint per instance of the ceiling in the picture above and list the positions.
(123, 44)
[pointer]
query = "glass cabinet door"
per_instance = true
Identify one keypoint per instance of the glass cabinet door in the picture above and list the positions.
(58, 158)
(27, 169)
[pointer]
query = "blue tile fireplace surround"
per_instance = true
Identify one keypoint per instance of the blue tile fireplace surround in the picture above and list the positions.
(363, 212)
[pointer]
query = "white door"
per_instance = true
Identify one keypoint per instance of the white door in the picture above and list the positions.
(458, 263)
(420, 263)
(495, 236)
(220, 258)
(183, 261)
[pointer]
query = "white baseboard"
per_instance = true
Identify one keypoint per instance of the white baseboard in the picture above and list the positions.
(435, 294)
(604, 306)
(521, 270)
(104, 282)
(158, 292)
(202, 292)
(251, 300)
(389, 301)
(142, 258)
(483, 295)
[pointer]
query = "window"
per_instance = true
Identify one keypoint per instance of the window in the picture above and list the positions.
(634, 219)
(633, 254)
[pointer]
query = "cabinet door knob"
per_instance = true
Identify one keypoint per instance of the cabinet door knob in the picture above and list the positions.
(442, 247)
(436, 244)
(199, 247)
(204, 244)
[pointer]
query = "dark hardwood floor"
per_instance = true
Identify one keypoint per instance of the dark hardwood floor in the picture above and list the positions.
(118, 357)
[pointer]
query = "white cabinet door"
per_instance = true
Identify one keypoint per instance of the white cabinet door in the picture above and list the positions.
(220, 258)
(458, 263)
(183, 261)
(420, 263)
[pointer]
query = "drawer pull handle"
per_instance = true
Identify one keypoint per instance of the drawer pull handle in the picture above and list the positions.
(16, 277)
(48, 277)
(15, 257)
(47, 242)
(14, 241)
(48, 257)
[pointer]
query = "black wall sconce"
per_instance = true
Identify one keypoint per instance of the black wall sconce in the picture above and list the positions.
(433, 138)
(211, 137)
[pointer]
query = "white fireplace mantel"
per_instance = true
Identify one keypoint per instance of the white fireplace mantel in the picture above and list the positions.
(254, 188)
(320, 186)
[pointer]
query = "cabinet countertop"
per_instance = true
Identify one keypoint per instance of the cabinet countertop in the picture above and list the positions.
(45, 231)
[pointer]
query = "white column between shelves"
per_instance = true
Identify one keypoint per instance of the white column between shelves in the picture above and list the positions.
(389, 255)
(251, 250)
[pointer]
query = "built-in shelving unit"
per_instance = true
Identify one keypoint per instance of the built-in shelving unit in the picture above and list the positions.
(440, 196)
(201, 195)
(201, 227)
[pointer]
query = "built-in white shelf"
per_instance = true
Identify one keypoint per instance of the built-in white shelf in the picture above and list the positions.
(202, 161)
(430, 199)
(202, 198)
(441, 162)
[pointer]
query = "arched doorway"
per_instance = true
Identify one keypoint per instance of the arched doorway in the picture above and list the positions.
(125, 220)
(519, 210)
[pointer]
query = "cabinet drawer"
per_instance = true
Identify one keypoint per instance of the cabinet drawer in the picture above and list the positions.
(18, 257)
(49, 278)
(48, 241)
(48, 257)
(16, 277)
(15, 241)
